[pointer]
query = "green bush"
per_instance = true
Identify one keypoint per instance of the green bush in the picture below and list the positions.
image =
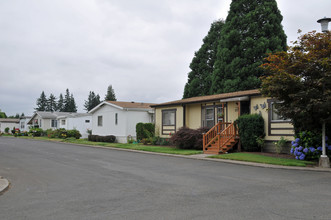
(250, 127)
(6, 129)
(145, 130)
(36, 132)
(97, 138)
(73, 133)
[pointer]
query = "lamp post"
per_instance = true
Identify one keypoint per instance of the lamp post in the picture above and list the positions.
(324, 23)
(324, 160)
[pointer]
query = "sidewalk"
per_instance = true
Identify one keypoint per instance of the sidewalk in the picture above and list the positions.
(4, 185)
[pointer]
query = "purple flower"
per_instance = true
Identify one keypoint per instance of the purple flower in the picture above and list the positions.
(305, 150)
(292, 150)
(299, 153)
(329, 147)
(319, 148)
(297, 157)
(295, 144)
(302, 157)
(326, 138)
(312, 149)
(300, 148)
(292, 142)
(297, 140)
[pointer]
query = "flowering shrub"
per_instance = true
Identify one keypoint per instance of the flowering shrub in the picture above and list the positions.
(308, 146)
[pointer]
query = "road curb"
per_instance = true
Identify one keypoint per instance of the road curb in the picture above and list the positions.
(205, 158)
(4, 185)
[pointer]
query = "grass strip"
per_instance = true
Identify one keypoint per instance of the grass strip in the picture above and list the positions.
(150, 148)
(248, 157)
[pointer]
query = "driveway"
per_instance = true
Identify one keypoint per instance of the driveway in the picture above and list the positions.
(61, 181)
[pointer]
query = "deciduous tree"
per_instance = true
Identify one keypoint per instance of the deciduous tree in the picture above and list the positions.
(301, 80)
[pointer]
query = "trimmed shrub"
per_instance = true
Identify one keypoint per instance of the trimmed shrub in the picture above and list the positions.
(186, 138)
(97, 138)
(250, 127)
(145, 130)
(7, 129)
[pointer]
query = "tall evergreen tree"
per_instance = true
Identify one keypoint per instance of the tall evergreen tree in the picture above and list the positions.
(69, 104)
(41, 102)
(252, 29)
(110, 96)
(72, 104)
(51, 103)
(202, 65)
(92, 101)
(60, 104)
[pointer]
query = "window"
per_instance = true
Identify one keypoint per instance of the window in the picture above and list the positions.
(63, 122)
(54, 123)
(116, 118)
(169, 117)
(22, 125)
(87, 121)
(209, 116)
(274, 114)
(100, 121)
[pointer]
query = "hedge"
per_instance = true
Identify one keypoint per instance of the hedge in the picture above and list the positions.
(250, 127)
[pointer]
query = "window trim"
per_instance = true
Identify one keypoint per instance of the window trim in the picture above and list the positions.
(270, 121)
(167, 130)
(100, 121)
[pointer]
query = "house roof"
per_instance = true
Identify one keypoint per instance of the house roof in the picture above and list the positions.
(9, 120)
(74, 115)
(53, 115)
(131, 104)
(125, 105)
(209, 98)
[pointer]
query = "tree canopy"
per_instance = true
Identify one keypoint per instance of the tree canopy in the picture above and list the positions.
(110, 96)
(92, 101)
(251, 30)
(301, 80)
(202, 65)
(41, 102)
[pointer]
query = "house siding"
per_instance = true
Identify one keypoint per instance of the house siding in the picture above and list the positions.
(126, 122)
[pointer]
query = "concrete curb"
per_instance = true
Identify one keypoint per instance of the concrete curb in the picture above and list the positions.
(205, 157)
(4, 185)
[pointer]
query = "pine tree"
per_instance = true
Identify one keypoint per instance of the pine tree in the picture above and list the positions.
(60, 104)
(72, 104)
(110, 96)
(69, 104)
(202, 65)
(252, 29)
(92, 101)
(51, 103)
(41, 102)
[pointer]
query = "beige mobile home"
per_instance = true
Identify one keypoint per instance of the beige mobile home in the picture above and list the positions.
(221, 110)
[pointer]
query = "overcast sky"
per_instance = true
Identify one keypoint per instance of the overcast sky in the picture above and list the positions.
(142, 48)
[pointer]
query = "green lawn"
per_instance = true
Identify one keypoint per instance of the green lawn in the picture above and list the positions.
(263, 159)
(150, 148)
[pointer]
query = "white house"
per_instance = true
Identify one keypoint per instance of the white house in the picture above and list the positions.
(120, 118)
(8, 123)
(79, 121)
(46, 120)
(67, 120)
(24, 123)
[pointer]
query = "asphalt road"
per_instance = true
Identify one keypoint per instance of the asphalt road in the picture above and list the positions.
(61, 181)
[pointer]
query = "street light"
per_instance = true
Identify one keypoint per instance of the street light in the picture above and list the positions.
(324, 23)
(324, 161)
